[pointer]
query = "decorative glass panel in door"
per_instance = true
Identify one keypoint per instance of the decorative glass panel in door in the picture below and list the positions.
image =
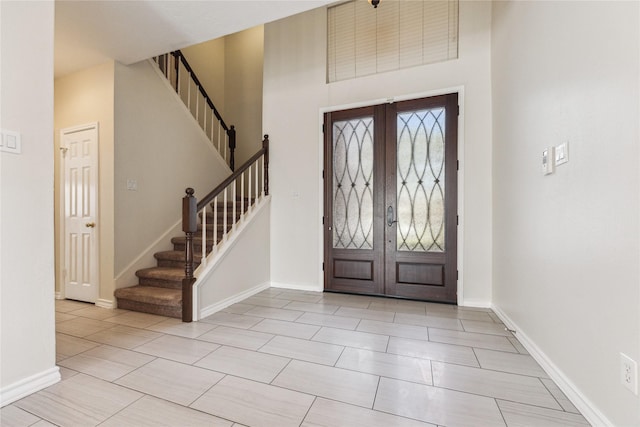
(420, 180)
(353, 183)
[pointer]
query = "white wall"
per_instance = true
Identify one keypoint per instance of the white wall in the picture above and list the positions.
(83, 97)
(27, 338)
(566, 246)
(241, 270)
(158, 144)
(295, 94)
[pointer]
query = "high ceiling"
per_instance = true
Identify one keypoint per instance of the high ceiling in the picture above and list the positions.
(91, 32)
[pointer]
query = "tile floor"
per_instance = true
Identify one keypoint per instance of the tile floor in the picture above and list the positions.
(291, 358)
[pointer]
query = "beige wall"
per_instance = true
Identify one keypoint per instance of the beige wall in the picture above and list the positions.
(244, 58)
(27, 321)
(295, 95)
(83, 97)
(207, 60)
(157, 144)
(230, 69)
(566, 246)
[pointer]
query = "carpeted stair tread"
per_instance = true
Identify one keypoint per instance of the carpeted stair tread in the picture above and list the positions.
(196, 240)
(175, 256)
(162, 277)
(175, 259)
(220, 227)
(163, 273)
(149, 299)
(151, 295)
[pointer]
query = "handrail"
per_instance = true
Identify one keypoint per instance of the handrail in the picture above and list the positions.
(178, 54)
(191, 209)
(224, 184)
(164, 63)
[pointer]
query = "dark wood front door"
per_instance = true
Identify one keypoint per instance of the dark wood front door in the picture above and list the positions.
(391, 199)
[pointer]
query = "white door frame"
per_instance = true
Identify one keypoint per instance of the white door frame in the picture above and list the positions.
(62, 262)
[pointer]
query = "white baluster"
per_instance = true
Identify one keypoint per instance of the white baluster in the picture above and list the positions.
(215, 222)
(212, 140)
(178, 85)
(219, 127)
(242, 195)
(204, 120)
(197, 106)
(257, 186)
(189, 93)
(172, 61)
(250, 208)
(235, 198)
(262, 190)
(225, 212)
(204, 235)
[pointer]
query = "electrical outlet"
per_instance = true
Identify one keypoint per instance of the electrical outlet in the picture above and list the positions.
(629, 373)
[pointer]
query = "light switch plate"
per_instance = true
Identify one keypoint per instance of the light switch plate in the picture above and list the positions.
(132, 185)
(10, 142)
(562, 153)
(548, 161)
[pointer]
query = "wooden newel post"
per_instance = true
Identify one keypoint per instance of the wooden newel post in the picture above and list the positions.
(265, 145)
(189, 226)
(232, 147)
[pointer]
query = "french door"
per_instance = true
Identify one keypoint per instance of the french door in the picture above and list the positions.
(390, 195)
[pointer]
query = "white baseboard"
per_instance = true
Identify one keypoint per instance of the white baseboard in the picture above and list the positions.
(573, 393)
(58, 295)
(105, 303)
(311, 288)
(214, 308)
(477, 303)
(27, 386)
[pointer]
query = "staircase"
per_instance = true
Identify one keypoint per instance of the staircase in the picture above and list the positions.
(167, 288)
(159, 289)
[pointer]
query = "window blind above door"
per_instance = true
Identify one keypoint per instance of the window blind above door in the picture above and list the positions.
(397, 34)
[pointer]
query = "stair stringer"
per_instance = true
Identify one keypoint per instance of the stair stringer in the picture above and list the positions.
(242, 260)
(128, 275)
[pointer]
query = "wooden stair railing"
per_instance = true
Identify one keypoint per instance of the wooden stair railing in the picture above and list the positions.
(248, 193)
(174, 65)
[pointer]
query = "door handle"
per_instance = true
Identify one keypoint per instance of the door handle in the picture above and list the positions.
(390, 220)
(90, 224)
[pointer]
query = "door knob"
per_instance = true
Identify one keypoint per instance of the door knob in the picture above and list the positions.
(90, 224)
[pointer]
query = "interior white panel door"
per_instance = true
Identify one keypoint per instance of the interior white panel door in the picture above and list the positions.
(80, 153)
